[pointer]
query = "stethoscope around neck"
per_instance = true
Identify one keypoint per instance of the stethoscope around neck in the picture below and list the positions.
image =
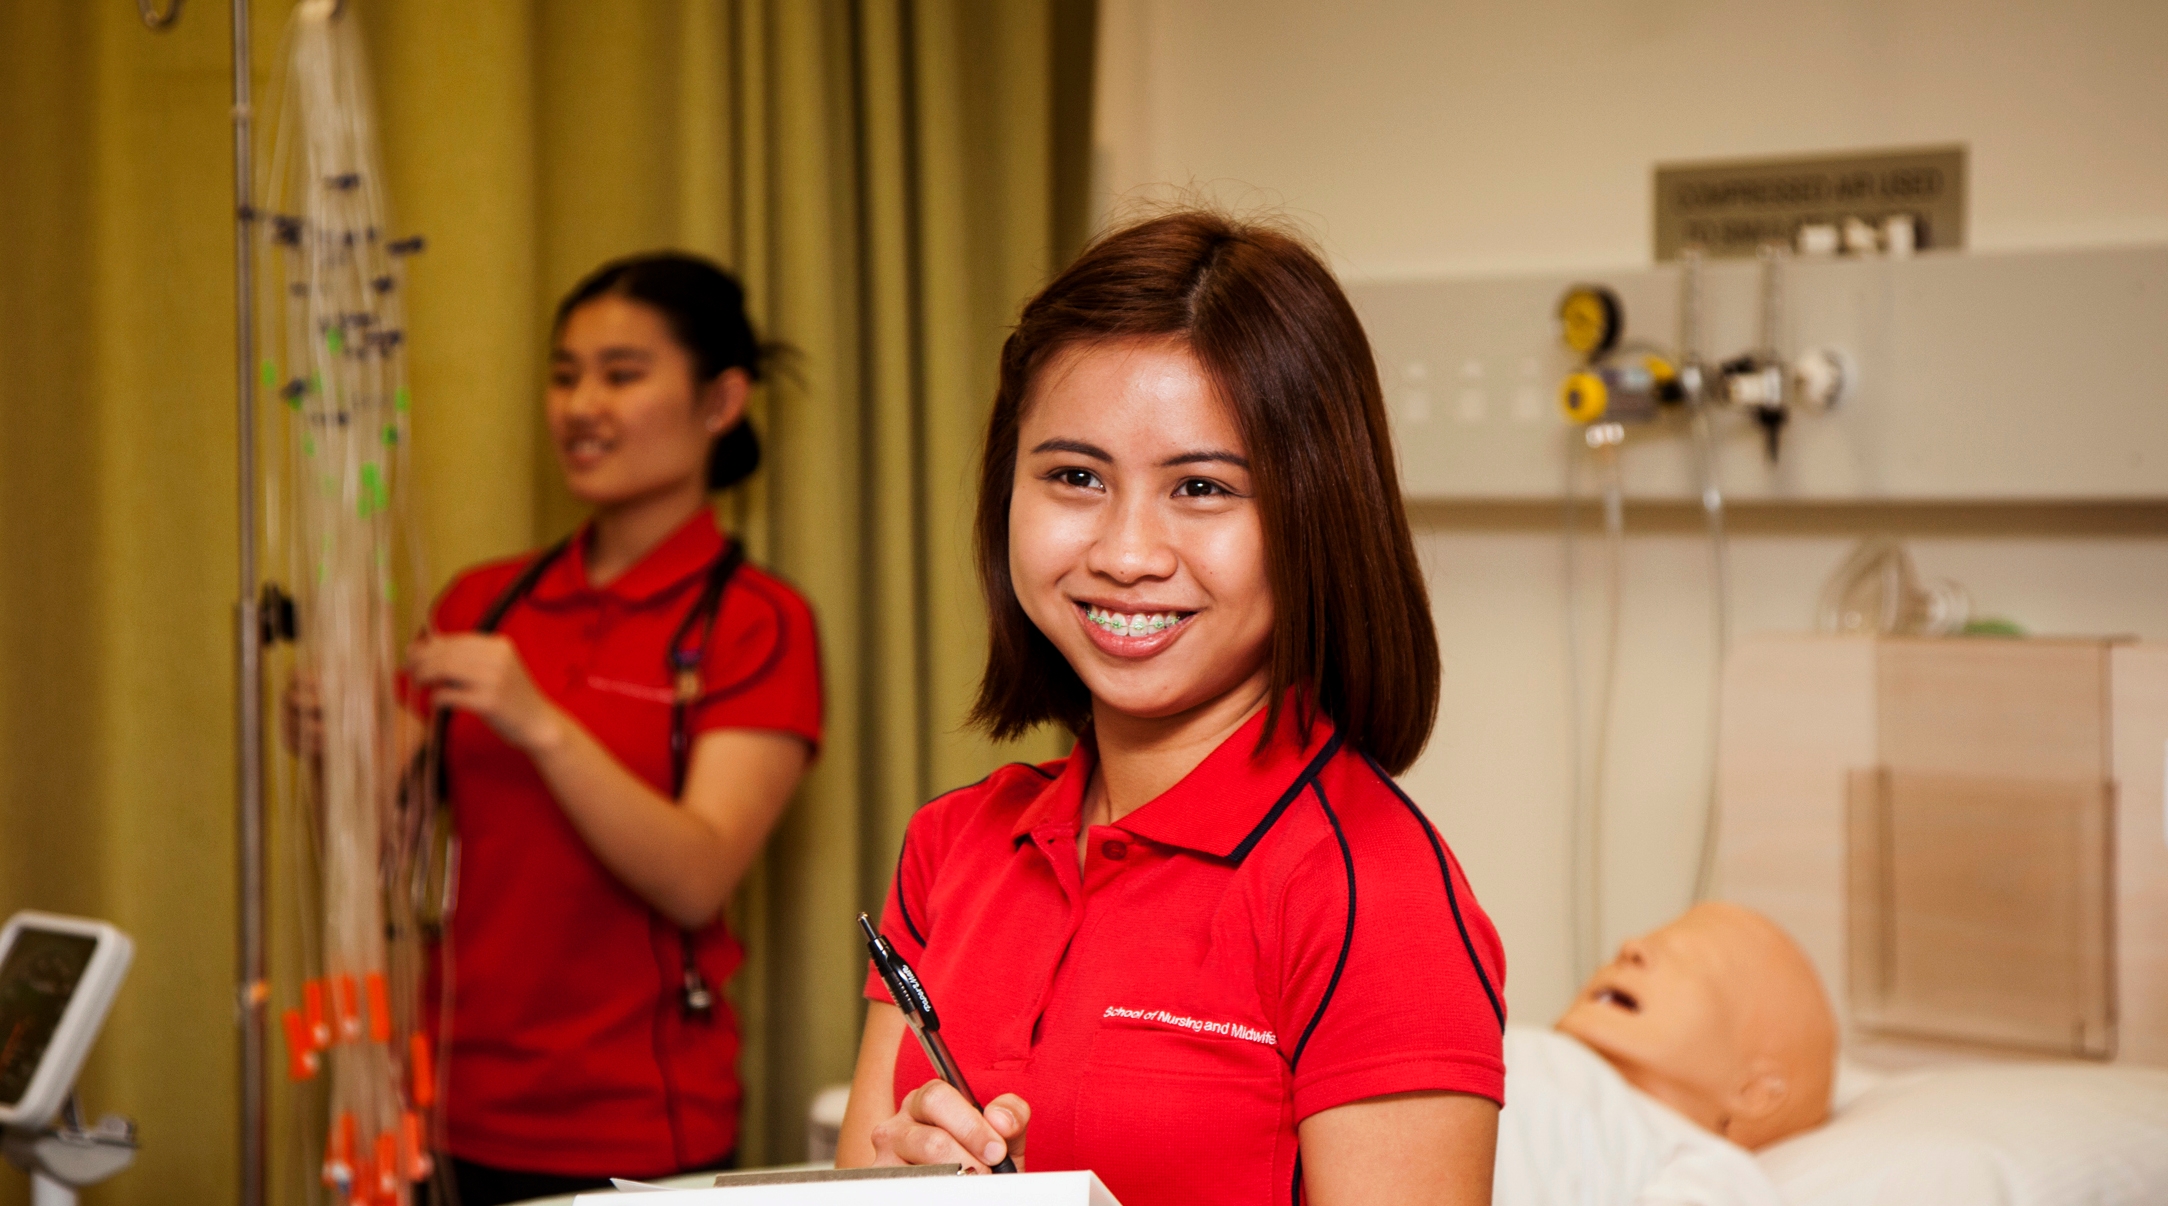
(683, 658)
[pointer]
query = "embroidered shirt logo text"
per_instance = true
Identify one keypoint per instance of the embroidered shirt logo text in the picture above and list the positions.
(1197, 1025)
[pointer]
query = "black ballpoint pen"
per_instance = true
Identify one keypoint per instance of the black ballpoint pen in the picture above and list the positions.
(917, 1007)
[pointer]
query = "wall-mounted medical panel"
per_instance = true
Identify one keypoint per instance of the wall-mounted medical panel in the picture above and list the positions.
(2012, 376)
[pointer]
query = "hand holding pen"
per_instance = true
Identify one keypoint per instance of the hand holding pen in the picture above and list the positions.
(941, 1121)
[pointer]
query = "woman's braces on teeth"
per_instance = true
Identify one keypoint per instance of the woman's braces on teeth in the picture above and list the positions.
(1132, 626)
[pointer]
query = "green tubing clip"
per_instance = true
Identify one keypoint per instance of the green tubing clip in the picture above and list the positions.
(374, 498)
(335, 339)
(308, 445)
(401, 399)
(270, 375)
(391, 435)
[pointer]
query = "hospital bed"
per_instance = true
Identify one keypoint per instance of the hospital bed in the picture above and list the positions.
(1968, 838)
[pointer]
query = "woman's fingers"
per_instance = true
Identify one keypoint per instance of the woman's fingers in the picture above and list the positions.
(935, 1125)
(937, 1103)
(917, 1143)
(483, 674)
(1010, 1116)
(445, 660)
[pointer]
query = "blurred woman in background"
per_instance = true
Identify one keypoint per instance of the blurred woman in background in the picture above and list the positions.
(629, 712)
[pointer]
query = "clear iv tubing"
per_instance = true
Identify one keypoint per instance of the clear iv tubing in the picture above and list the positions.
(1586, 823)
(1712, 509)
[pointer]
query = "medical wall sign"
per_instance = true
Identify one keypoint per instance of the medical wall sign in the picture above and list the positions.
(1823, 204)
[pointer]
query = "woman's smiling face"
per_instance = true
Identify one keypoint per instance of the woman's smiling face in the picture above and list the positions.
(1135, 541)
(626, 413)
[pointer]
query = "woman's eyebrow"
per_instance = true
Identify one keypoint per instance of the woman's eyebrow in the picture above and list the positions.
(1078, 447)
(1207, 456)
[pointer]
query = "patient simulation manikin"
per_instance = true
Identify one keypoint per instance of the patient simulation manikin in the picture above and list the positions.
(1698, 1042)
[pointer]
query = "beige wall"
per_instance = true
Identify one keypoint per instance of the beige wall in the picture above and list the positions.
(1495, 778)
(1462, 138)
(1422, 137)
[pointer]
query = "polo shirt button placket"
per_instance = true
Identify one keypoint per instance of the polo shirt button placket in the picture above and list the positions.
(1109, 849)
(591, 641)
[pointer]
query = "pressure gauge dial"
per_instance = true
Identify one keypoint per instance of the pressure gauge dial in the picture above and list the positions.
(1589, 319)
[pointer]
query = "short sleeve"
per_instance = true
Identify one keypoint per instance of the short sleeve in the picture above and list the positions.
(904, 919)
(763, 668)
(1393, 977)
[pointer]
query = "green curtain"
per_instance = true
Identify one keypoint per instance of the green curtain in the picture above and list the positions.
(890, 178)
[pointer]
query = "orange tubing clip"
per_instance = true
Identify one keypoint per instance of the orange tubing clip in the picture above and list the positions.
(312, 1012)
(422, 1070)
(339, 1152)
(379, 1008)
(301, 1058)
(413, 1153)
(363, 1191)
(349, 1004)
(387, 1167)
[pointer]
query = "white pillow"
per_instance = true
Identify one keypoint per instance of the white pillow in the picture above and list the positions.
(1854, 1081)
(1987, 1135)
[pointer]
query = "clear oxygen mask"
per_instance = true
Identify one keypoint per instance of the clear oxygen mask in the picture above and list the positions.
(1877, 592)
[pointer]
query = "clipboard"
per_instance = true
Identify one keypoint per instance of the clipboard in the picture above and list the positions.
(925, 1185)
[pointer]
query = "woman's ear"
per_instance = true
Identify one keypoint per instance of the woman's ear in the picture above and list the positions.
(722, 401)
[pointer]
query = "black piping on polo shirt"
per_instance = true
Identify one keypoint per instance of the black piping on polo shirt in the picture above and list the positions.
(1347, 940)
(903, 905)
(1452, 898)
(1309, 774)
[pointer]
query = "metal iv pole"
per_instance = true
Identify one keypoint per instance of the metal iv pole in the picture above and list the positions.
(253, 987)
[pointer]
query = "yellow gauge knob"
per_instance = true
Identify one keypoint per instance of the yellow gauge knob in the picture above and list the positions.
(1589, 318)
(1584, 397)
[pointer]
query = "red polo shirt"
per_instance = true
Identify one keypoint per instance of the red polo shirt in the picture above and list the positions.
(1273, 936)
(569, 1053)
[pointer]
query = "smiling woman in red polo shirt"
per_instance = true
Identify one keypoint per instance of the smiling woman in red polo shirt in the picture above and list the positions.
(1214, 955)
(630, 712)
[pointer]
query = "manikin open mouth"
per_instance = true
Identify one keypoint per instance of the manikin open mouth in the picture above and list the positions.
(1613, 996)
(1141, 624)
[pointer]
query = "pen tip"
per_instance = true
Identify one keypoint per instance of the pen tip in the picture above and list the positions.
(865, 923)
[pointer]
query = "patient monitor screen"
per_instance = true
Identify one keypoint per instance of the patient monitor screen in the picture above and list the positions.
(37, 978)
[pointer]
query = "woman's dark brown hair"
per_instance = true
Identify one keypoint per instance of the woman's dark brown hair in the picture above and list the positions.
(1280, 343)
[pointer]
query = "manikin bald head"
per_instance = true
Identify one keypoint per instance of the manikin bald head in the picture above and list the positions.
(1720, 1016)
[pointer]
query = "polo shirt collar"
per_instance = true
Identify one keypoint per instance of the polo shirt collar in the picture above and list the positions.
(684, 554)
(1223, 807)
